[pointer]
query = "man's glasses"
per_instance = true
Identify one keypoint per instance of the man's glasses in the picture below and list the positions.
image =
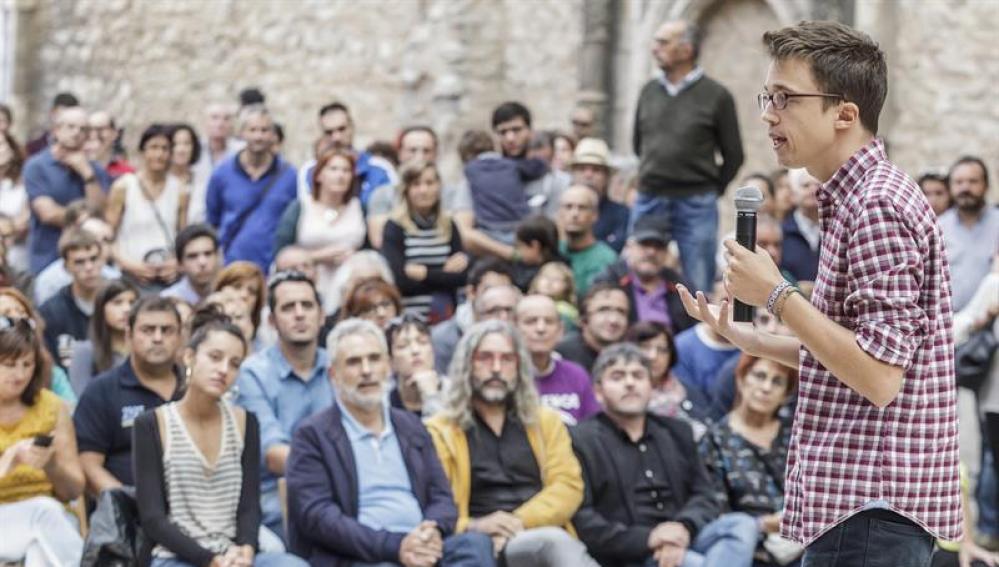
(19, 324)
(779, 99)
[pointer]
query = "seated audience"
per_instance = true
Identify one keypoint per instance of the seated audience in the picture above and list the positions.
(536, 244)
(603, 321)
(365, 486)
(701, 354)
(67, 314)
(328, 221)
(285, 383)
(746, 451)
(198, 461)
(417, 385)
(563, 385)
(361, 265)
(247, 280)
(577, 215)
(649, 499)
(106, 346)
(555, 280)
(39, 465)
(374, 300)
(423, 246)
(109, 405)
(508, 458)
(643, 274)
(16, 305)
(56, 276)
(199, 259)
(233, 305)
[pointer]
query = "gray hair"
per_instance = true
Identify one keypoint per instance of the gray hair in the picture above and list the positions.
(620, 352)
(458, 397)
(693, 36)
(478, 301)
(338, 287)
(349, 327)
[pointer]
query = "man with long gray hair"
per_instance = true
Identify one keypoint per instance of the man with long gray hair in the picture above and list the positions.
(494, 439)
(648, 495)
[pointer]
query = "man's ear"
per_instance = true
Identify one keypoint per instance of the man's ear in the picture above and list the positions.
(847, 116)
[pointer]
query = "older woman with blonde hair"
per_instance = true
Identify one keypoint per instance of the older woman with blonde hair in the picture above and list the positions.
(422, 245)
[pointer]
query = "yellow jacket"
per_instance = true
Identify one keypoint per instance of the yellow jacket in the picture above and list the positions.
(561, 477)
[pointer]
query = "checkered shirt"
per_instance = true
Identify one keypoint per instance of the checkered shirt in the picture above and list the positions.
(883, 274)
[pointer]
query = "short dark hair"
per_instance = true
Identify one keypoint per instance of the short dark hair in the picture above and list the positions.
(510, 111)
(771, 189)
(599, 287)
(76, 239)
(195, 142)
(251, 95)
(647, 330)
(403, 322)
(486, 265)
(65, 100)
(931, 176)
(335, 106)
(964, 160)
(191, 233)
(288, 276)
(541, 229)
(152, 303)
(279, 132)
(155, 131)
(619, 352)
(473, 143)
(385, 150)
(844, 62)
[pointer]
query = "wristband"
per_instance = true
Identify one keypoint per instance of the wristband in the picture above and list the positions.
(772, 300)
(779, 308)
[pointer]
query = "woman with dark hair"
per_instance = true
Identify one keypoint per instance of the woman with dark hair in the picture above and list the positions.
(106, 346)
(535, 244)
(197, 461)
(417, 384)
(328, 222)
(186, 153)
(39, 465)
(14, 202)
(14, 304)
(147, 209)
(423, 246)
(372, 299)
(746, 451)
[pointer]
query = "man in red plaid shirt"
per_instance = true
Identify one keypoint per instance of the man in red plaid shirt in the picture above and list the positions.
(872, 470)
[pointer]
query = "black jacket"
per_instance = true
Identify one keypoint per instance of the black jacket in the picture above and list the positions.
(619, 273)
(606, 522)
(63, 317)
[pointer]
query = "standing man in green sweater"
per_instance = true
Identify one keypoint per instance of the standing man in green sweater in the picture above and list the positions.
(683, 119)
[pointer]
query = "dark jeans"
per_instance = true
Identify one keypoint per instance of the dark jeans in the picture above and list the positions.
(872, 538)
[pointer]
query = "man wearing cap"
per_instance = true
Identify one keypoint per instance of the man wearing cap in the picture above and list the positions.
(649, 283)
(591, 167)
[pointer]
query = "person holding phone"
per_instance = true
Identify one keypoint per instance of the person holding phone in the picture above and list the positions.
(39, 465)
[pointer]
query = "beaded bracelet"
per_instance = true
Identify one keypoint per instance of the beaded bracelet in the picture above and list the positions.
(772, 300)
(782, 301)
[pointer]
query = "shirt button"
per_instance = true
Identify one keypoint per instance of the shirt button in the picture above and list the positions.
(648, 474)
(641, 447)
(654, 494)
(659, 506)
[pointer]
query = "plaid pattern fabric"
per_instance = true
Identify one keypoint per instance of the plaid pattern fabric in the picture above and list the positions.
(883, 274)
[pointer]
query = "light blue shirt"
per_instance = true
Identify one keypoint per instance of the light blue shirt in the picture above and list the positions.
(385, 495)
(280, 399)
(690, 78)
(55, 277)
(183, 290)
(969, 251)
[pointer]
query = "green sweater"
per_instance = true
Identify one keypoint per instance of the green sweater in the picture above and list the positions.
(676, 139)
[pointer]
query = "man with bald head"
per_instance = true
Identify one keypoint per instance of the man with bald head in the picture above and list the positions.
(577, 214)
(564, 386)
(55, 177)
(683, 120)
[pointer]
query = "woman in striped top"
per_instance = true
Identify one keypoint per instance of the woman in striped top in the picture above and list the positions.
(197, 462)
(423, 247)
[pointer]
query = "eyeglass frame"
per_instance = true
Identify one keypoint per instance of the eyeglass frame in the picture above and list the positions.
(765, 99)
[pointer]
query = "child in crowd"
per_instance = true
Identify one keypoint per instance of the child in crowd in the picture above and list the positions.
(555, 280)
(536, 244)
(497, 184)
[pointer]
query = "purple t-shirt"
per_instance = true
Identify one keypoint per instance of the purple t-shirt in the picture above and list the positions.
(568, 390)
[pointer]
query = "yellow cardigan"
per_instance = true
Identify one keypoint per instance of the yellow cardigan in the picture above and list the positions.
(561, 476)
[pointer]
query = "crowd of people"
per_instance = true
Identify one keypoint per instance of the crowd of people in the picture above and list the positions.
(359, 361)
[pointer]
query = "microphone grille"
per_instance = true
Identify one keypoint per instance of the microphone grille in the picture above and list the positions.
(748, 199)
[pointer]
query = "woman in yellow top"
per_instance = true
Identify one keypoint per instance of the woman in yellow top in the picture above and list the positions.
(39, 465)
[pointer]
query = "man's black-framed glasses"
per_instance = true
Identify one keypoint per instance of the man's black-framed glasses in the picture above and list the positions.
(779, 99)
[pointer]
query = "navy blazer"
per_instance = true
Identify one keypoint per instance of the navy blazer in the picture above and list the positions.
(323, 494)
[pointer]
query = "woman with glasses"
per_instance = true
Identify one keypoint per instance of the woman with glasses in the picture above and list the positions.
(423, 247)
(417, 384)
(197, 461)
(106, 346)
(746, 452)
(39, 465)
(372, 299)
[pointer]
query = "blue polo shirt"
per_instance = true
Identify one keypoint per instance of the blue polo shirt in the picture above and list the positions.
(231, 191)
(103, 418)
(46, 177)
(268, 387)
(385, 499)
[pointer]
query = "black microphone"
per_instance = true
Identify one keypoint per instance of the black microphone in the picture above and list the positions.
(747, 201)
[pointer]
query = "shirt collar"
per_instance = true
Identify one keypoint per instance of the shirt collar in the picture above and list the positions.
(602, 416)
(850, 173)
(689, 79)
(284, 369)
(357, 432)
(275, 164)
(128, 378)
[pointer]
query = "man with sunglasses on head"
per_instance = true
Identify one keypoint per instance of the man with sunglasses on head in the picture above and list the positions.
(873, 459)
(285, 383)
